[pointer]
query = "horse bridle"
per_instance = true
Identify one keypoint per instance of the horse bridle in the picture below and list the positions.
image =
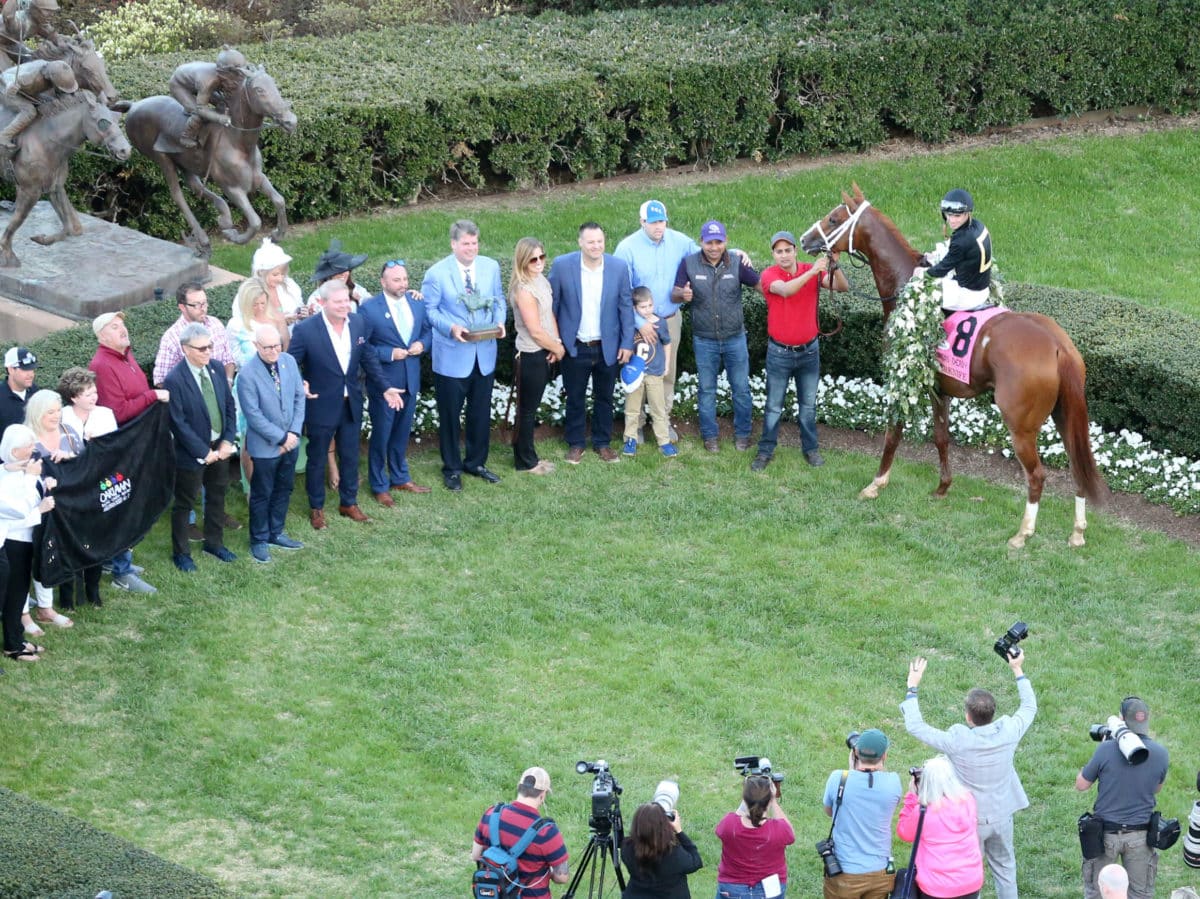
(849, 225)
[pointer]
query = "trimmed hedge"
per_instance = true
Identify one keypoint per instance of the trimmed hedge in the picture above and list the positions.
(47, 853)
(519, 102)
(1142, 371)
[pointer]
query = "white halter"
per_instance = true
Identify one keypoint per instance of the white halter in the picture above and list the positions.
(836, 234)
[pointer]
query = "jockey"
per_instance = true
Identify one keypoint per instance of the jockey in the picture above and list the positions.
(24, 19)
(193, 85)
(963, 264)
(20, 88)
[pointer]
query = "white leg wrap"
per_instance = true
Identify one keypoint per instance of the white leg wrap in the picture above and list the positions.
(1080, 522)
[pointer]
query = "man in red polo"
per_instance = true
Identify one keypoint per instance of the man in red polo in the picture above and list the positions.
(791, 289)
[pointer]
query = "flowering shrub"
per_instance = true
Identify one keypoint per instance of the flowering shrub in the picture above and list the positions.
(1126, 459)
(154, 26)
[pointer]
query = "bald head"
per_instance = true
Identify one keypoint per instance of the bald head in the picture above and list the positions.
(267, 342)
(1113, 882)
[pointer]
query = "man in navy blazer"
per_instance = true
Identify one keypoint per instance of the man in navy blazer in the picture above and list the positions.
(330, 348)
(271, 392)
(594, 309)
(464, 369)
(204, 425)
(400, 332)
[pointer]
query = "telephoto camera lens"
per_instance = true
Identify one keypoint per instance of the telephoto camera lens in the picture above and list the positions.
(1191, 842)
(915, 773)
(852, 739)
(825, 849)
(666, 794)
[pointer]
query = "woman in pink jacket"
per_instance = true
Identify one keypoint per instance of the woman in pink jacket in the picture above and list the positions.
(949, 864)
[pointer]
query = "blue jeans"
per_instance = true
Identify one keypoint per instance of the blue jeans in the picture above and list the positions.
(783, 365)
(732, 355)
(122, 563)
(743, 891)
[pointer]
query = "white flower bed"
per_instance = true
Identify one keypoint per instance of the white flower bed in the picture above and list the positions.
(1127, 460)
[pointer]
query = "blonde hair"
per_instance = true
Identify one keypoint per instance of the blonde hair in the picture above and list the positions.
(526, 249)
(38, 405)
(249, 291)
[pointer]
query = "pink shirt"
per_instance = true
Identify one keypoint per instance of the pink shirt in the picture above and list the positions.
(949, 862)
(749, 854)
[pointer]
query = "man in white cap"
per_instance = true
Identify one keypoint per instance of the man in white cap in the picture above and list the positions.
(18, 387)
(546, 858)
(653, 254)
(121, 385)
(1125, 800)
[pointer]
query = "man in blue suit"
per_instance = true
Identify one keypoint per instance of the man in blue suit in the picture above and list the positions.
(594, 309)
(271, 392)
(330, 348)
(400, 332)
(463, 368)
(204, 425)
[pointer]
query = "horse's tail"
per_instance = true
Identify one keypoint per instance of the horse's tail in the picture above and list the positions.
(1071, 416)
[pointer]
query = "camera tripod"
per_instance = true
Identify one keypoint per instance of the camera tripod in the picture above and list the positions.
(602, 845)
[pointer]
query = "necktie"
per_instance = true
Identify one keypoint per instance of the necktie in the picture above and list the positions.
(275, 378)
(210, 400)
(467, 280)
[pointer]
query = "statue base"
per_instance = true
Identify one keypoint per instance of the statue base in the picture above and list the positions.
(106, 268)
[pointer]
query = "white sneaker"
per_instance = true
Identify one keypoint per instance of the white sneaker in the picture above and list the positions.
(133, 584)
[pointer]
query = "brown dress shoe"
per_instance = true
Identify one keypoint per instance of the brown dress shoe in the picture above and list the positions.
(575, 455)
(317, 517)
(410, 487)
(606, 454)
(384, 499)
(354, 513)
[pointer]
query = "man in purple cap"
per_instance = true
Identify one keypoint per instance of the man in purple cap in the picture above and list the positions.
(1125, 800)
(21, 365)
(711, 282)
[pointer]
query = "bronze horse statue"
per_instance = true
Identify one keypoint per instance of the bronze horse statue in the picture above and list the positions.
(229, 156)
(1026, 358)
(80, 54)
(40, 163)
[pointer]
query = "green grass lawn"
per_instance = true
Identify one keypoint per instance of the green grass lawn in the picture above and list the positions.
(1107, 214)
(334, 723)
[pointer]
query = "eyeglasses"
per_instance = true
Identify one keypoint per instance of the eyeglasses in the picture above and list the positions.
(207, 348)
(270, 347)
(541, 257)
(395, 263)
(203, 304)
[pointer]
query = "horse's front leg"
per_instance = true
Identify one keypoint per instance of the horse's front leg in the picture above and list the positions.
(238, 198)
(199, 240)
(22, 206)
(71, 226)
(1025, 449)
(941, 439)
(267, 189)
(890, 443)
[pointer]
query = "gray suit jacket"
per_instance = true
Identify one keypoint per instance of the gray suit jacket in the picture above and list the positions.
(982, 756)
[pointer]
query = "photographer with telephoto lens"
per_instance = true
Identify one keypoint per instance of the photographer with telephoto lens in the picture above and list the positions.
(862, 828)
(982, 753)
(656, 851)
(753, 840)
(1125, 800)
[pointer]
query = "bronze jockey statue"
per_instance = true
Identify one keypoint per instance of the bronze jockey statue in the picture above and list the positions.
(24, 19)
(20, 88)
(201, 88)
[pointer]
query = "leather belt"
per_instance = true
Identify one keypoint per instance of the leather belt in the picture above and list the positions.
(795, 349)
(1125, 828)
(587, 342)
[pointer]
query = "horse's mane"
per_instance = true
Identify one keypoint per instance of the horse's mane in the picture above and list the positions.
(891, 228)
(50, 105)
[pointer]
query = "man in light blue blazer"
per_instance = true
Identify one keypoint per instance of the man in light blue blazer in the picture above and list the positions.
(271, 393)
(594, 309)
(464, 369)
(400, 332)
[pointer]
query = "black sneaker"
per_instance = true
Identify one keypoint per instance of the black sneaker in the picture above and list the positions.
(814, 459)
(760, 462)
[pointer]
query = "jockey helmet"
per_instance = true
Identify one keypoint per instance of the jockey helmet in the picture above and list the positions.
(956, 202)
(60, 75)
(230, 58)
(43, 5)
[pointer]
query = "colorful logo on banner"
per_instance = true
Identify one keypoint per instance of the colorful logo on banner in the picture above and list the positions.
(114, 490)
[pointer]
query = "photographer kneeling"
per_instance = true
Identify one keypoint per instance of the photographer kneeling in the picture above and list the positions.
(753, 840)
(862, 801)
(659, 855)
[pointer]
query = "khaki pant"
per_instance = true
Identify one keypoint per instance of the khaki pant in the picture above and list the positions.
(876, 885)
(675, 329)
(653, 390)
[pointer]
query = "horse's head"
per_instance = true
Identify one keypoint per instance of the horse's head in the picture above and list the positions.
(88, 66)
(264, 98)
(102, 126)
(835, 232)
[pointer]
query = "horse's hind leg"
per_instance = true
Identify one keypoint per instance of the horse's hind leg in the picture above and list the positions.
(1025, 449)
(941, 439)
(1076, 538)
(238, 197)
(22, 206)
(890, 443)
(265, 187)
(199, 241)
(200, 189)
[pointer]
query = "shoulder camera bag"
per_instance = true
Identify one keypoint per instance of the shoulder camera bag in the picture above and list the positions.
(905, 886)
(496, 876)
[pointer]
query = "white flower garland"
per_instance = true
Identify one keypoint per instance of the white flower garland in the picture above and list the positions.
(914, 331)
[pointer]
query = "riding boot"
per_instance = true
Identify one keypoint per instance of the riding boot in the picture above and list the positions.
(187, 137)
(91, 585)
(8, 136)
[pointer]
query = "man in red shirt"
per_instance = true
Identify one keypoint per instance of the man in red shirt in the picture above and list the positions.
(793, 351)
(545, 859)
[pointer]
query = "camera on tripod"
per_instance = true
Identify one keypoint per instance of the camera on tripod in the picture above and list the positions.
(1006, 647)
(606, 807)
(1129, 743)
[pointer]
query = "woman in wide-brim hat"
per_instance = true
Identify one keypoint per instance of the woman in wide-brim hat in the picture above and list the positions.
(271, 265)
(336, 264)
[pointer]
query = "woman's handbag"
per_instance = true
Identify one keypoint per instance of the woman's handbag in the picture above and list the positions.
(905, 886)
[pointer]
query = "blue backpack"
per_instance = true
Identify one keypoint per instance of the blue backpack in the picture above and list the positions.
(496, 877)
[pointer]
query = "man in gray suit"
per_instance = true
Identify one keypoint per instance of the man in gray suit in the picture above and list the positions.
(981, 752)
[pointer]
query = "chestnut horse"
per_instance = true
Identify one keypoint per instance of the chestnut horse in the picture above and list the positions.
(1026, 358)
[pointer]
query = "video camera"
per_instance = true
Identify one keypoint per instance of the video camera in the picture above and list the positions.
(1006, 647)
(1129, 743)
(606, 807)
(756, 766)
